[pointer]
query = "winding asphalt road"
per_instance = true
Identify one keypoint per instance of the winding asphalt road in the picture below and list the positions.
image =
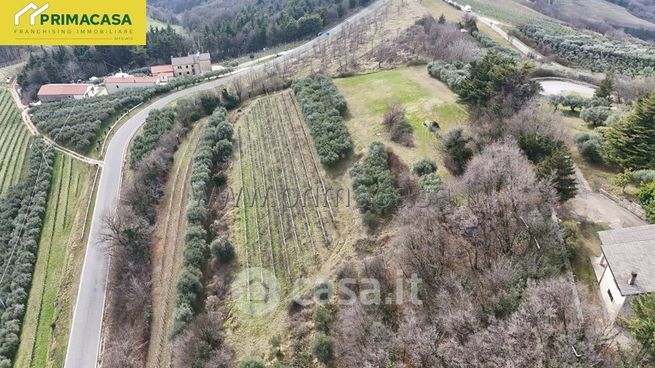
(86, 329)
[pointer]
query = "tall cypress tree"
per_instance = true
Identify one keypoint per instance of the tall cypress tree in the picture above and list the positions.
(630, 143)
(560, 166)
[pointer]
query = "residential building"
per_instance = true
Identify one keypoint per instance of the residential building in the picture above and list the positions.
(122, 81)
(626, 267)
(58, 92)
(194, 64)
(162, 70)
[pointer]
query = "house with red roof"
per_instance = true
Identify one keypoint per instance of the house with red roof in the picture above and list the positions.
(57, 92)
(122, 81)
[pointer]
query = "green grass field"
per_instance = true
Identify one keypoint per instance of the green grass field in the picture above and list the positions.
(424, 98)
(45, 330)
(14, 142)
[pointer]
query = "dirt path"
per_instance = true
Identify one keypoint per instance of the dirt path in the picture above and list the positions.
(596, 207)
(167, 251)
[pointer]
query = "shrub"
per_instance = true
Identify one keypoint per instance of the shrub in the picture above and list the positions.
(373, 184)
(646, 197)
(322, 319)
(451, 74)
(595, 116)
(424, 167)
(323, 349)
(220, 179)
(430, 183)
(590, 146)
(641, 177)
(396, 123)
(323, 106)
(251, 362)
(457, 146)
(222, 249)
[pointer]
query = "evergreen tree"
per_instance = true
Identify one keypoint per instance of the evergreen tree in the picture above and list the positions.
(606, 86)
(643, 325)
(630, 143)
(560, 167)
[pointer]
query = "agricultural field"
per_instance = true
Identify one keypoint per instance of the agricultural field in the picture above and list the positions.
(45, 331)
(425, 99)
(154, 23)
(287, 234)
(167, 252)
(14, 142)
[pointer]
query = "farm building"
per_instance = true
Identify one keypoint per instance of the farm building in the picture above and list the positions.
(58, 92)
(122, 81)
(194, 64)
(162, 70)
(625, 268)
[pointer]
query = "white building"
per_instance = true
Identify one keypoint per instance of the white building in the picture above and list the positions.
(626, 267)
(58, 92)
(194, 64)
(122, 81)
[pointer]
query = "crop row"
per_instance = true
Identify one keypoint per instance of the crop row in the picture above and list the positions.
(14, 142)
(282, 217)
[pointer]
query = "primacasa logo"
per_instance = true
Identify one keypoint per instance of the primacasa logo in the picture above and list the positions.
(65, 19)
(28, 7)
(73, 22)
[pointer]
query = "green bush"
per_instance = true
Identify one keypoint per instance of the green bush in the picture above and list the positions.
(222, 249)
(251, 362)
(641, 177)
(323, 349)
(323, 106)
(430, 183)
(373, 184)
(590, 146)
(595, 116)
(646, 197)
(424, 167)
(457, 146)
(322, 319)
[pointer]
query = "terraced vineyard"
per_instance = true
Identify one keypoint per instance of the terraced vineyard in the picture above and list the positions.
(286, 221)
(14, 142)
(46, 327)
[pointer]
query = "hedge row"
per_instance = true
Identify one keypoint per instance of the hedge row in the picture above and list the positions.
(21, 218)
(451, 74)
(492, 45)
(215, 147)
(77, 124)
(373, 183)
(323, 107)
(590, 50)
(158, 123)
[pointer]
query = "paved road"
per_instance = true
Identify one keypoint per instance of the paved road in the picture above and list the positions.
(558, 87)
(596, 207)
(86, 326)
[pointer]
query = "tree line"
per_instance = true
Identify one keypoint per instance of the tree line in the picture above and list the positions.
(215, 148)
(22, 212)
(323, 106)
(591, 51)
(130, 230)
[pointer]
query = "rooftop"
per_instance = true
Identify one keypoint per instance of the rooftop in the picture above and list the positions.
(631, 250)
(131, 80)
(156, 69)
(63, 89)
(190, 59)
